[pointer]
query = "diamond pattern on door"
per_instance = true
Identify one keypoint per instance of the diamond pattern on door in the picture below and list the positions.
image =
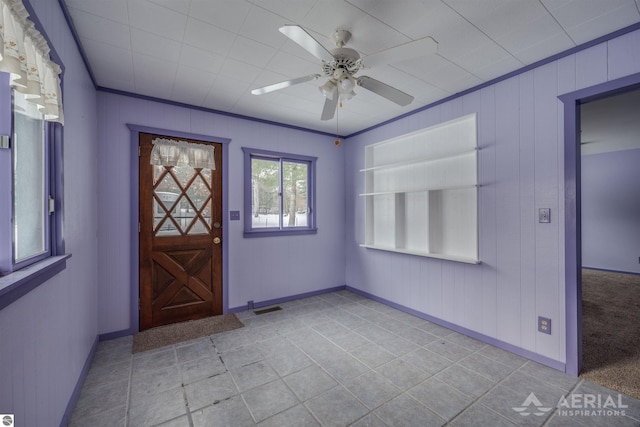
(181, 196)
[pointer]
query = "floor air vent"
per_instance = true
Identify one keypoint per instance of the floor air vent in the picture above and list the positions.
(267, 310)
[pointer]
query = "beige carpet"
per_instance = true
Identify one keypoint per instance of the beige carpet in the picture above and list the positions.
(184, 331)
(611, 330)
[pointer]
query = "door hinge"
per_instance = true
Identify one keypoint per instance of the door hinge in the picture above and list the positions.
(138, 151)
(139, 227)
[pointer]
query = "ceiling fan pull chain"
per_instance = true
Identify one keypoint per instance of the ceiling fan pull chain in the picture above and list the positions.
(337, 141)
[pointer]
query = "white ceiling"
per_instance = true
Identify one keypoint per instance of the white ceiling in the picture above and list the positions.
(211, 53)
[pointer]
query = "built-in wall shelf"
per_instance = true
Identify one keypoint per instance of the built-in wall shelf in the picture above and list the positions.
(458, 187)
(421, 192)
(425, 254)
(414, 161)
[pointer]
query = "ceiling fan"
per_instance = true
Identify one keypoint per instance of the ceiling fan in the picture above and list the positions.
(342, 63)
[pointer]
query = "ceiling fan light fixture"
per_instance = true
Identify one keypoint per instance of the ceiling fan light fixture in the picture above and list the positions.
(329, 90)
(345, 96)
(347, 84)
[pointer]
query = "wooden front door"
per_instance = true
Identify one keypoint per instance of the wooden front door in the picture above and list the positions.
(180, 239)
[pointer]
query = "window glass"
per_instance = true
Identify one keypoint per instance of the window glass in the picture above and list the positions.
(279, 193)
(294, 185)
(182, 200)
(265, 195)
(29, 183)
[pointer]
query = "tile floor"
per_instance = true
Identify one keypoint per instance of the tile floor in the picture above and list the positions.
(337, 359)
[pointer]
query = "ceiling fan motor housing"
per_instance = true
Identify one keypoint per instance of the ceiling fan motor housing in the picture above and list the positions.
(344, 58)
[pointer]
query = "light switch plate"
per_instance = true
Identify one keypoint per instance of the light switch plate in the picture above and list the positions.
(544, 215)
(234, 215)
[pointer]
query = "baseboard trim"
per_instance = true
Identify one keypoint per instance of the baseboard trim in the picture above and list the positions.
(610, 271)
(116, 334)
(251, 304)
(555, 364)
(73, 400)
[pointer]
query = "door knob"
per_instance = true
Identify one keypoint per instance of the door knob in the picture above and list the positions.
(217, 240)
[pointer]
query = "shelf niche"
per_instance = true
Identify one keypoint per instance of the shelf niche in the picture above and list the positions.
(421, 192)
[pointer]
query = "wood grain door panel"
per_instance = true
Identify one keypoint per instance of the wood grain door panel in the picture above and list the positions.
(180, 263)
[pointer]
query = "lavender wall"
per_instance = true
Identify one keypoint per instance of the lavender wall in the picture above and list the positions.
(520, 135)
(611, 210)
(259, 269)
(47, 334)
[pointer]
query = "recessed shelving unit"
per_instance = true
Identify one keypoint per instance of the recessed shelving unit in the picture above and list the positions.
(421, 192)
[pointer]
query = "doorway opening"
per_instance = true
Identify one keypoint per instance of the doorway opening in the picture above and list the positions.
(610, 235)
(572, 214)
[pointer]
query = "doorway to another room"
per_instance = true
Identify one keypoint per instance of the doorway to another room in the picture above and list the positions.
(610, 235)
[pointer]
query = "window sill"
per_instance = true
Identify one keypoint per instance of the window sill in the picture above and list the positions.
(273, 233)
(17, 284)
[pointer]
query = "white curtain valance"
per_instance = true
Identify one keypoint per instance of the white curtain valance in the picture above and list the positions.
(168, 152)
(24, 54)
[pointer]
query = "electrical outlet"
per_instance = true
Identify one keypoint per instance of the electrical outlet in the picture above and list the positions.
(234, 215)
(544, 325)
(544, 215)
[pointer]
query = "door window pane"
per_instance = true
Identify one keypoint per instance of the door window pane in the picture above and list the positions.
(182, 200)
(29, 185)
(166, 206)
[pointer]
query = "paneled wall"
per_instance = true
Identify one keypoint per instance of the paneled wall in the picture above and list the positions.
(521, 141)
(259, 269)
(611, 210)
(47, 334)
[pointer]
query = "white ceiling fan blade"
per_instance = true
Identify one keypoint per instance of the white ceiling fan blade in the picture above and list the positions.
(385, 91)
(329, 109)
(282, 85)
(306, 41)
(413, 49)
